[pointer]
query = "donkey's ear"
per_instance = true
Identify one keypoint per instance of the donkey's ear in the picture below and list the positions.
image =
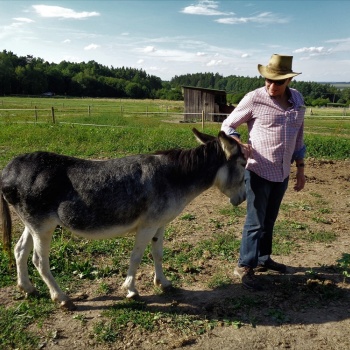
(229, 145)
(201, 137)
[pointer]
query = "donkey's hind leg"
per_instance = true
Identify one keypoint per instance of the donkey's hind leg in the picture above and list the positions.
(42, 242)
(22, 250)
(157, 253)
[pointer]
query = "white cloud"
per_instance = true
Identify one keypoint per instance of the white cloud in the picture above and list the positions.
(23, 20)
(61, 12)
(91, 47)
(340, 45)
(245, 55)
(200, 54)
(311, 49)
(214, 63)
(140, 61)
(149, 49)
(262, 18)
(19, 22)
(204, 8)
(312, 52)
(67, 41)
(17, 28)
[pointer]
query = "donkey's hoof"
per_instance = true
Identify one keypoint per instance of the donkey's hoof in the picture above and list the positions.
(68, 305)
(164, 285)
(132, 295)
(32, 294)
(28, 292)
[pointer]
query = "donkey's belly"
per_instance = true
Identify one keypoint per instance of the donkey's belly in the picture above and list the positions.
(106, 232)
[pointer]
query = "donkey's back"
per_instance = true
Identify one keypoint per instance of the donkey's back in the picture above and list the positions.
(85, 195)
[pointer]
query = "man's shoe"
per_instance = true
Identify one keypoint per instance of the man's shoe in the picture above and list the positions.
(272, 265)
(247, 277)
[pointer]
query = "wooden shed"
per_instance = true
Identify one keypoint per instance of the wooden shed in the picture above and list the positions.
(211, 102)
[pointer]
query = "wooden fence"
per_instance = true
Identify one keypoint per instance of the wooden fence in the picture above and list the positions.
(64, 115)
(54, 113)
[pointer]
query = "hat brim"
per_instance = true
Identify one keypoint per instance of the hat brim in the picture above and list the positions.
(263, 70)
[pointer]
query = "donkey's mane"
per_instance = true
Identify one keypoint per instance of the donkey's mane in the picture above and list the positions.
(189, 159)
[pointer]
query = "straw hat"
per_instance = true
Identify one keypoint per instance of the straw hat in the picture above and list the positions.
(279, 67)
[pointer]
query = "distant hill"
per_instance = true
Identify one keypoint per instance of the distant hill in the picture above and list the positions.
(338, 84)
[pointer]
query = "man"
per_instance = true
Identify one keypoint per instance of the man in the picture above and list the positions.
(274, 115)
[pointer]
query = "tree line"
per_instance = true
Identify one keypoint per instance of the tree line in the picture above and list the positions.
(315, 94)
(28, 75)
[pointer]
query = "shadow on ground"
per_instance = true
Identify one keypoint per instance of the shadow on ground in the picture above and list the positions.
(303, 295)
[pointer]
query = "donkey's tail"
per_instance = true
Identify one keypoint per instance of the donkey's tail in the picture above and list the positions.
(6, 223)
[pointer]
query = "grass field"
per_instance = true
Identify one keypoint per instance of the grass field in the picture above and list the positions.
(113, 128)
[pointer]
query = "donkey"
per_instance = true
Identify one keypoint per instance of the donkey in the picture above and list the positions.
(137, 194)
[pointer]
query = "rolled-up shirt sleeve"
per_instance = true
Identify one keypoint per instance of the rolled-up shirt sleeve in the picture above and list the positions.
(299, 154)
(240, 115)
(300, 147)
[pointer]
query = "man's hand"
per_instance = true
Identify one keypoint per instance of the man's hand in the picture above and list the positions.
(247, 150)
(300, 180)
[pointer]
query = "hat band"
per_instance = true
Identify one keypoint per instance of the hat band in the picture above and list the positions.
(279, 71)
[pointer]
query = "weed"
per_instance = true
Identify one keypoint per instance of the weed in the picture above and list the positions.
(82, 318)
(188, 217)
(6, 270)
(14, 323)
(315, 194)
(136, 314)
(296, 205)
(321, 220)
(324, 210)
(223, 246)
(311, 273)
(217, 223)
(104, 289)
(237, 211)
(320, 236)
(219, 280)
(278, 315)
(344, 264)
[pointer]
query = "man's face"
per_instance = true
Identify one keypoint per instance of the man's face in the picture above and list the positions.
(276, 88)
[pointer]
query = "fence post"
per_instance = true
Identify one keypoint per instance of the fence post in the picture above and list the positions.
(146, 111)
(35, 114)
(89, 111)
(53, 115)
(203, 115)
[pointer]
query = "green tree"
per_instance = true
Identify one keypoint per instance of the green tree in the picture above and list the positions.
(134, 90)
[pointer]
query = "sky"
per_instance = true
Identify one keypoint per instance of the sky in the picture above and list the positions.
(168, 38)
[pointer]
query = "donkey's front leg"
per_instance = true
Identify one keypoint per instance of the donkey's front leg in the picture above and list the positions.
(157, 253)
(22, 250)
(143, 236)
(42, 241)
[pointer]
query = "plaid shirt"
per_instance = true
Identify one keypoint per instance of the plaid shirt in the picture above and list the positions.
(276, 135)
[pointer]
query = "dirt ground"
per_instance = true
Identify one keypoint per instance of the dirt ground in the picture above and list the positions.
(307, 308)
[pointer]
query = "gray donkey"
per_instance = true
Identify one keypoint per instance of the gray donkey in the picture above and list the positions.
(137, 194)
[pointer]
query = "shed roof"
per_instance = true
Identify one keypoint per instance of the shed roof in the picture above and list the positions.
(213, 91)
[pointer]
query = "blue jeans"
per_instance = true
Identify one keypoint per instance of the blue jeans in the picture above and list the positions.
(263, 202)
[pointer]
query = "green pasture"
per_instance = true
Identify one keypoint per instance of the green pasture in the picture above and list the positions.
(104, 128)
(114, 128)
